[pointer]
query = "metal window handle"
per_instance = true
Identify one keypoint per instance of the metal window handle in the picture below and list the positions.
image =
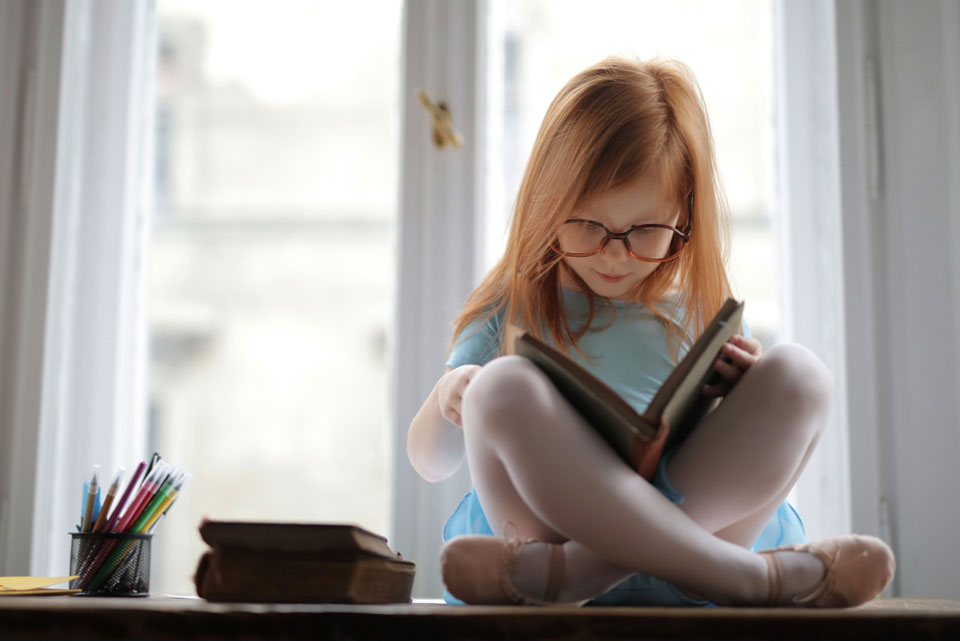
(443, 132)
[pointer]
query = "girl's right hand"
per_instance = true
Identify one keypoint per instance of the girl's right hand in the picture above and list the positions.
(450, 391)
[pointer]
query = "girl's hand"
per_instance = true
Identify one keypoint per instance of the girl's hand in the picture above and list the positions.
(450, 391)
(742, 352)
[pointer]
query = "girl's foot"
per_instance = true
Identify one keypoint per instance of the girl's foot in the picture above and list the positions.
(842, 571)
(485, 570)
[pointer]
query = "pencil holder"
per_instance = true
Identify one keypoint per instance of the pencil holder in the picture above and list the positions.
(110, 564)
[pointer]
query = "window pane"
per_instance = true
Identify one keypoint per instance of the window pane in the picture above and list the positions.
(538, 45)
(272, 263)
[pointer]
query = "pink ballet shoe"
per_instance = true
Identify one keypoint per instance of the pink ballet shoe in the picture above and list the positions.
(476, 569)
(858, 568)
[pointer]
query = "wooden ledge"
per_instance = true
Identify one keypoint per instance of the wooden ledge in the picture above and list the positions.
(164, 618)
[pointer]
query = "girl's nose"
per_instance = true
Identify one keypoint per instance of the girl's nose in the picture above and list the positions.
(615, 251)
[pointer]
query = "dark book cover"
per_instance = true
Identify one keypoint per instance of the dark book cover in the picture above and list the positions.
(294, 537)
(300, 563)
(288, 577)
(677, 407)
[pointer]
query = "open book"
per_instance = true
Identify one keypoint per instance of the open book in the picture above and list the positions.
(675, 410)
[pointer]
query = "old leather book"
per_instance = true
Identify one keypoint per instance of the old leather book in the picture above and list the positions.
(300, 563)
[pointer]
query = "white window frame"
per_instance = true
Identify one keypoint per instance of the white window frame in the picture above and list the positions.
(77, 344)
(810, 130)
(899, 99)
(65, 238)
(440, 250)
(812, 286)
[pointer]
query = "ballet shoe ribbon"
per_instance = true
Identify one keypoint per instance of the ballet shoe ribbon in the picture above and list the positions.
(646, 454)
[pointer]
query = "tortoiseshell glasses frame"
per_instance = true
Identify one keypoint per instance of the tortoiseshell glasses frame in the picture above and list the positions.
(682, 234)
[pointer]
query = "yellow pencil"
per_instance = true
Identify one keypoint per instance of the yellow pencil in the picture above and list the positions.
(170, 498)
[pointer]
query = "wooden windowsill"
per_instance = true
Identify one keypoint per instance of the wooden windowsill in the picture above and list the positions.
(162, 618)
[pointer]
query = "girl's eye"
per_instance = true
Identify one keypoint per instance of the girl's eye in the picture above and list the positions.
(591, 224)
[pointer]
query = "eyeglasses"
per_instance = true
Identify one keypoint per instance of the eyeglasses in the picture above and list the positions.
(582, 237)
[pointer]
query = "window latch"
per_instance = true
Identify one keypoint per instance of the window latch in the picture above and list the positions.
(443, 132)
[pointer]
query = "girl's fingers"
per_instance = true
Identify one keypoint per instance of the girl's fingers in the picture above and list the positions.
(452, 415)
(467, 377)
(727, 370)
(740, 357)
(741, 354)
(750, 345)
(720, 389)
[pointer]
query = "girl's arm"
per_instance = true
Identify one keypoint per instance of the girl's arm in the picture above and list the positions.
(435, 439)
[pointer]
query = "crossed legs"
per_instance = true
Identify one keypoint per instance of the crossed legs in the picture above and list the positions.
(536, 464)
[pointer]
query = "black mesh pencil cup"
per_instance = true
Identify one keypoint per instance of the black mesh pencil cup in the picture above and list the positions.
(110, 564)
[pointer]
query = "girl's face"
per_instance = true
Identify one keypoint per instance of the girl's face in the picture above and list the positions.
(613, 272)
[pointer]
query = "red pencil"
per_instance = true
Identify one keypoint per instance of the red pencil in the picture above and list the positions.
(126, 495)
(147, 490)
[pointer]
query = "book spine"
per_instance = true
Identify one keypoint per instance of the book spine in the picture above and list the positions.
(646, 454)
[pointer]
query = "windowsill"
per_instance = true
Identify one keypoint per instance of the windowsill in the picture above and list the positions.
(166, 617)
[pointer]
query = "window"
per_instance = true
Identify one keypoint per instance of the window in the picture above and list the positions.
(272, 263)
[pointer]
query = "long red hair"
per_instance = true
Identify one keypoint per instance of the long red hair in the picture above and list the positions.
(616, 122)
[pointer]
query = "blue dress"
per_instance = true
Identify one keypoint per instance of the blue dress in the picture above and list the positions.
(629, 353)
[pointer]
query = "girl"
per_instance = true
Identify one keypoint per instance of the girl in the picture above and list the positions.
(616, 255)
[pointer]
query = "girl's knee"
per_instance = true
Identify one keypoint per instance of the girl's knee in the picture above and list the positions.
(799, 375)
(504, 389)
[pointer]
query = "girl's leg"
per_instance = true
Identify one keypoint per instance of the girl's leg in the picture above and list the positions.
(796, 415)
(587, 574)
(526, 446)
(740, 464)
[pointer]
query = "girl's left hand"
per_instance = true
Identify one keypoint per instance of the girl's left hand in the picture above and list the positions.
(742, 352)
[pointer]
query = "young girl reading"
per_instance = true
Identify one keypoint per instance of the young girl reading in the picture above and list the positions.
(616, 255)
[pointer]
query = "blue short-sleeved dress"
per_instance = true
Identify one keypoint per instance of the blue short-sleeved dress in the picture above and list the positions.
(626, 348)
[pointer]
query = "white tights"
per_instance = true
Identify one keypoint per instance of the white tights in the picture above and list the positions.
(535, 463)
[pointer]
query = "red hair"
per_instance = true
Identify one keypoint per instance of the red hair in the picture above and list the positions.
(614, 123)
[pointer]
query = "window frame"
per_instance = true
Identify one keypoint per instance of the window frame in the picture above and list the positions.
(441, 198)
(810, 224)
(77, 341)
(45, 74)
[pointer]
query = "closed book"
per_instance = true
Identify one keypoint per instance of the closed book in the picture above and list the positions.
(276, 562)
(274, 577)
(294, 537)
(677, 407)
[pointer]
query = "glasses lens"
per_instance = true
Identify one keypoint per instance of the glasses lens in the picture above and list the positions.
(651, 242)
(580, 236)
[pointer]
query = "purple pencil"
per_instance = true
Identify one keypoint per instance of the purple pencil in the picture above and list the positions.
(126, 495)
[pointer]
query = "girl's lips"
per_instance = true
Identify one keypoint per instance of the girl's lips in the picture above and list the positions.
(612, 278)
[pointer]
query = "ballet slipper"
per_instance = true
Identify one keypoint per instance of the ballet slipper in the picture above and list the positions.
(476, 569)
(858, 568)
